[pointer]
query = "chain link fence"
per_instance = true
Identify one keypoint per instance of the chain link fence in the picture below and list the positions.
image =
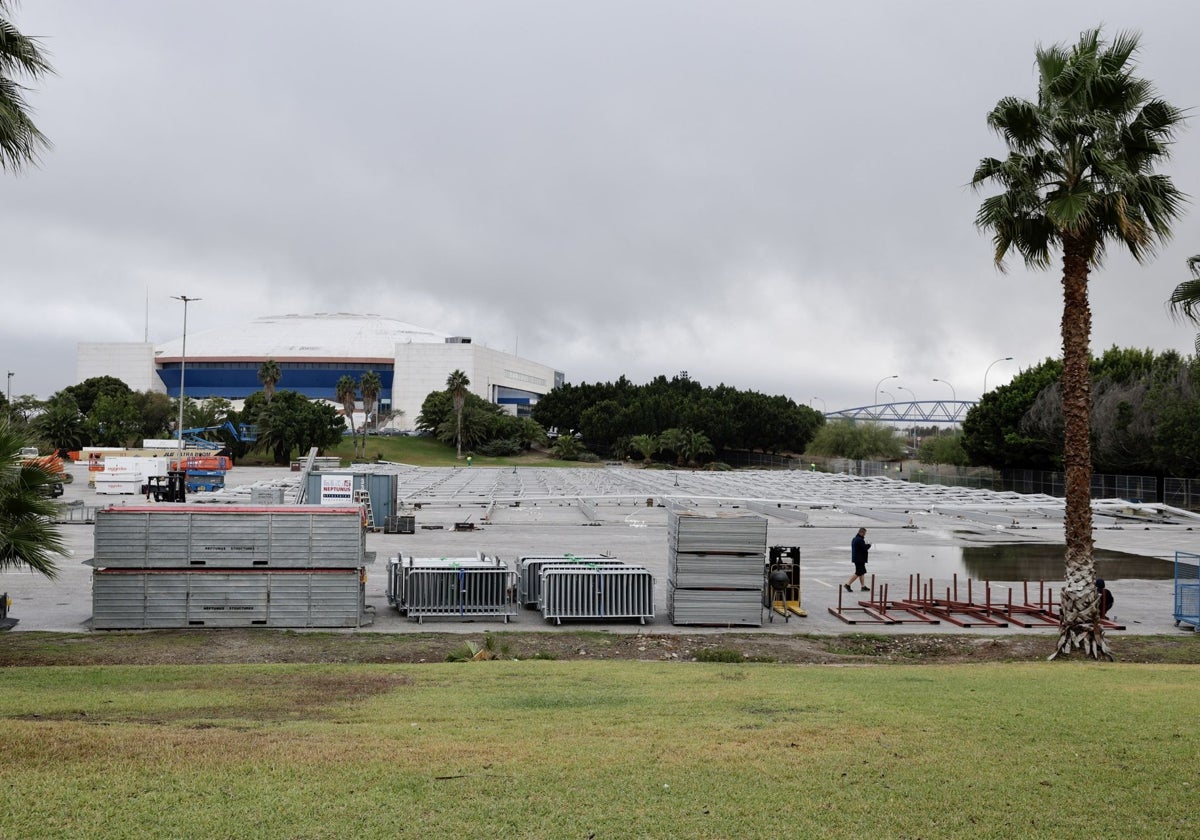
(1177, 492)
(1182, 493)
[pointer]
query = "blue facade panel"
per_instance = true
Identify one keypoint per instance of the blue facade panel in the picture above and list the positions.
(514, 396)
(238, 380)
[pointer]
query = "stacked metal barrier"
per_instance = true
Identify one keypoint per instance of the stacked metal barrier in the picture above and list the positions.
(529, 572)
(715, 568)
(595, 591)
(451, 587)
(232, 566)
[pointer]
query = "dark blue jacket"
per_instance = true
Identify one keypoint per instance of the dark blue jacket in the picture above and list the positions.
(859, 548)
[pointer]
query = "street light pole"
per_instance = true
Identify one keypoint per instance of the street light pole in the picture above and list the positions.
(880, 382)
(953, 393)
(989, 370)
(8, 394)
(182, 368)
(914, 396)
(824, 406)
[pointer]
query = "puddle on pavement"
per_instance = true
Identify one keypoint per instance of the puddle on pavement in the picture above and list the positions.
(1012, 562)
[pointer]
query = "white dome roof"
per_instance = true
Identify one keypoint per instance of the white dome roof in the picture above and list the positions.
(321, 336)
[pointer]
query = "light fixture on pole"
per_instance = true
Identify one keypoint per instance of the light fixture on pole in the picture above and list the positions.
(824, 407)
(182, 367)
(914, 396)
(880, 382)
(953, 393)
(888, 394)
(989, 370)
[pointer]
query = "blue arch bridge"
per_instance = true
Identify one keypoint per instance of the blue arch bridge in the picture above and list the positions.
(907, 413)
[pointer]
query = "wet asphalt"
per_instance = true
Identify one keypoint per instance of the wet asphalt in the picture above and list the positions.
(637, 534)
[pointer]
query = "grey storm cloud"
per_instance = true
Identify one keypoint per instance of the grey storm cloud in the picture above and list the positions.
(768, 194)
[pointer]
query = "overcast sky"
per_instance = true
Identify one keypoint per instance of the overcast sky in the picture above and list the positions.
(766, 194)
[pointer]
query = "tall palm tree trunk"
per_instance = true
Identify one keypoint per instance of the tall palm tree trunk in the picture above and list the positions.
(1080, 628)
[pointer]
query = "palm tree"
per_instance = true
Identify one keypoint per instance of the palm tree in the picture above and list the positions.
(62, 422)
(456, 384)
(673, 440)
(370, 385)
(20, 140)
(345, 389)
(28, 535)
(695, 445)
(644, 445)
(1079, 175)
(1185, 300)
(269, 375)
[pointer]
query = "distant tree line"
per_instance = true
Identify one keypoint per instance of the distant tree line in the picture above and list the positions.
(610, 416)
(104, 411)
(1145, 416)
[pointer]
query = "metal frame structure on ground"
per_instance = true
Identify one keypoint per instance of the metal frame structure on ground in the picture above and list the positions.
(929, 604)
(1187, 589)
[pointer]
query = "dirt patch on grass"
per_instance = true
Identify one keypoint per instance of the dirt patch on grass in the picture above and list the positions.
(181, 647)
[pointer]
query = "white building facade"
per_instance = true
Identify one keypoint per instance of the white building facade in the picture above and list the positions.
(313, 352)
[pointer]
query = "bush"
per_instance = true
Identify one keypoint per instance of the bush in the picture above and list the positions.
(500, 448)
(719, 655)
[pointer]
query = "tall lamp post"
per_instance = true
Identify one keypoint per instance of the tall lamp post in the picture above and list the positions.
(989, 370)
(824, 407)
(880, 382)
(182, 368)
(8, 393)
(953, 393)
(914, 396)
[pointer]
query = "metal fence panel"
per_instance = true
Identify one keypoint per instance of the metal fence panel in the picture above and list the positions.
(1182, 493)
(596, 593)
(529, 571)
(459, 593)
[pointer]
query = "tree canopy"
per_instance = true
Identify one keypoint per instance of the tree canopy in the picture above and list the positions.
(610, 415)
(28, 535)
(1143, 416)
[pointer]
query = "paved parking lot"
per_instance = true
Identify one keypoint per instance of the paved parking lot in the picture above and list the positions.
(623, 512)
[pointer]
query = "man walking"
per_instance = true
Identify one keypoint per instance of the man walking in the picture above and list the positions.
(858, 554)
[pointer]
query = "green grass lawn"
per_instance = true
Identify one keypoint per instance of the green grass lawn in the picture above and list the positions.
(424, 452)
(599, 750)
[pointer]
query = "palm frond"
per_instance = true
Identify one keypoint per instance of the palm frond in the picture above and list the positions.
(1185, 300)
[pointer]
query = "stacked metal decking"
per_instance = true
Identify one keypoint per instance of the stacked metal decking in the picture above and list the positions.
(715, 568)
(597, 590)
(232, 566)
(451, 587)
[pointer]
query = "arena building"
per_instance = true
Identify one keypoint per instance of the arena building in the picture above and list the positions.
(313, 352)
